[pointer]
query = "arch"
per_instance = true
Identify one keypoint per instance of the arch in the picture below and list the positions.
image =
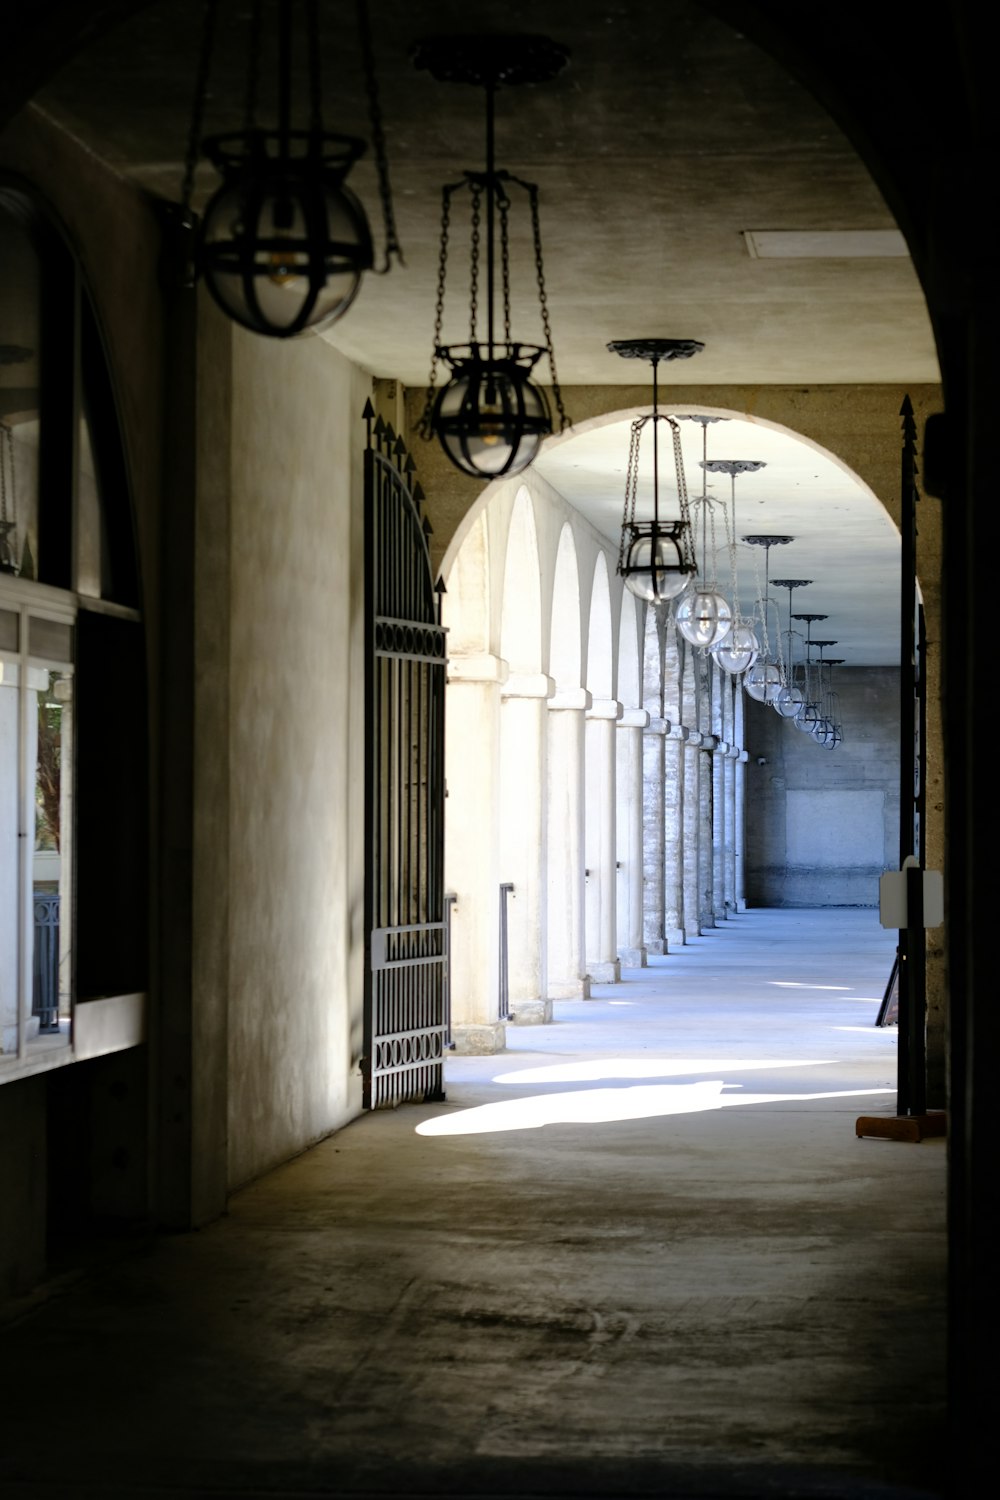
(565, 645)
(629, 664)
(467, 601)
(521, 602)
(600, 646)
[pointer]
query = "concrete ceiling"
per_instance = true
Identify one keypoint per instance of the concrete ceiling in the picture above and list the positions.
(664, 144)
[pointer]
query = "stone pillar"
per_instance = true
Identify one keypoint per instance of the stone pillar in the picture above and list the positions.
(523, 829)
(652, 836)
(739, 802)
(719, 756)
(690, 830)
(716, 688)
(567, 964)
(673, 836)
(472, 847)
(601, 924)
(629, 826)
(706, 832)
(728, 795)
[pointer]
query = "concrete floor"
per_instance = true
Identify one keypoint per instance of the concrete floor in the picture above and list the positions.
(583, 1278)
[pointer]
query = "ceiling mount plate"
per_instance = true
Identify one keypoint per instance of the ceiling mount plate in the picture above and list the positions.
(733, 466)
(768, 540)
(810, 618)
(491, 60)
(791, 583)
(655, 349)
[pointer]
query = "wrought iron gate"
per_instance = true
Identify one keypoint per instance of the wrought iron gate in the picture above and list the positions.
(405, 918)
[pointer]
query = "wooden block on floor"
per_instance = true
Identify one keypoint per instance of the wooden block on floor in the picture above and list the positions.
(902, 1127)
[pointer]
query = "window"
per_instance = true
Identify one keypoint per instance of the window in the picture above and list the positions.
(72, 768)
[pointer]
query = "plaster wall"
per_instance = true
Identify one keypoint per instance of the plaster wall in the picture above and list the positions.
(295, 727)
(822, 825)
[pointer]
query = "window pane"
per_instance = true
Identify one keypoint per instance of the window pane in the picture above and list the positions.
(51, 639)
(51, 862)
(9, 697)
(20, 343)
(9, 622)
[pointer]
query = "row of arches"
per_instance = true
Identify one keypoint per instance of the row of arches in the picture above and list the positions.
(594, 769)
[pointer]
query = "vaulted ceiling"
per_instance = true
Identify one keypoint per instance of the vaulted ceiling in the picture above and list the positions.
(689, 188)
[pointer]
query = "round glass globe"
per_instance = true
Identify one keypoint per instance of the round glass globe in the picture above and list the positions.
(491, 418)
(763, 681)
(666, 580)
(704, 617)
(807, 718)
(738, 651)
(789, 701)
(286, 251)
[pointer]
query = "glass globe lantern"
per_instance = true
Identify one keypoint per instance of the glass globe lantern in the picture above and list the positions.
(807, 718)
(763, 680)
(738, 650)
(283, 243)
(704, 617)
(789, 701)
(656, 567)
(490, 417)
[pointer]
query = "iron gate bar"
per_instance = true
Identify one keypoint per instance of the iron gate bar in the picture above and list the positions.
(406, 973)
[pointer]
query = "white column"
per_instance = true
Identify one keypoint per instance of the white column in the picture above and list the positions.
(472, 849)
(629, 833)
(673, 836)
(690, 834)
(601, 848)
(568, 979)
(652, 819)
(523, 828)
(729, 794)
(739, 804)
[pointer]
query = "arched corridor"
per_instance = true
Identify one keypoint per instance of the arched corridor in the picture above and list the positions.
(611, 822)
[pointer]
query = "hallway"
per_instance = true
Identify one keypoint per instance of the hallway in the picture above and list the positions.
(643, 1294)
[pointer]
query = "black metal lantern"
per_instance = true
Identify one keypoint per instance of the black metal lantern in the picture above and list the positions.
(656, 558)
(490, 417)
(284, 242)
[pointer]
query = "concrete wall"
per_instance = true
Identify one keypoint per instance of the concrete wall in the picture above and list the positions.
(296, 769)
(822, 825)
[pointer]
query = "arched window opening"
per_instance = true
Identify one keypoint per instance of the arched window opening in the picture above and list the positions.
(73, 763)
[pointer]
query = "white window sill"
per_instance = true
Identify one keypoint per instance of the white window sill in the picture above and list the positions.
(98, 1028)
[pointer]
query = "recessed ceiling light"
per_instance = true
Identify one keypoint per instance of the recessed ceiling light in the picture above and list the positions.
(824, 244)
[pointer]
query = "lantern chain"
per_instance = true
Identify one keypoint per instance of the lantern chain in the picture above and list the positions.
(198, 112)
(424, 425)
(392, 245)
(544, 304)
(503, 204)
(682, 494)
(253, 70)
(315, 74)
(631, 482)
(474, 264)
(7, 460)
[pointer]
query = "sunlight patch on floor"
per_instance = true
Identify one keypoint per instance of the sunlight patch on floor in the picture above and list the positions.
(603, 1106)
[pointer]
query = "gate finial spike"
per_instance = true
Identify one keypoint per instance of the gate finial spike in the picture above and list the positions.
(400, 449)
(418, 494)
(409, 466)
(369, 410)
(428, 528)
